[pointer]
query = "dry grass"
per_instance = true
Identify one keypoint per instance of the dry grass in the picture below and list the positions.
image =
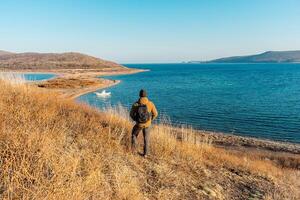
(72, 86)
(71, 83)
(71, 60)
(52, 148)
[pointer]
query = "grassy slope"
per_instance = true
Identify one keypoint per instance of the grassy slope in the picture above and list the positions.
(72, 87)
(56, 149)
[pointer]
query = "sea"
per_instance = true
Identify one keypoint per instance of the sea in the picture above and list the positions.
(38, 77)
(257, 100)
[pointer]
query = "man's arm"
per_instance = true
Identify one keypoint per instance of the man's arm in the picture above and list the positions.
(133, 112)
(154, 112)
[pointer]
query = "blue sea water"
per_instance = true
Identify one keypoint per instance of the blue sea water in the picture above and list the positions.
(38, 77)
(259, 100)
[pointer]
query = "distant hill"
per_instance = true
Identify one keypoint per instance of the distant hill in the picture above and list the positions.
(266, 57)
(5, 53)
(53, 61)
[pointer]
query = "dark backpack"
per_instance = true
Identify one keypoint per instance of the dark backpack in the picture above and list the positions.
(142, 115)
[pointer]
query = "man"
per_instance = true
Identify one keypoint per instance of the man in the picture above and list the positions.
(142, 112)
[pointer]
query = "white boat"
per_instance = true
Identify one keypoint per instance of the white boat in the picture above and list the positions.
(103, 94)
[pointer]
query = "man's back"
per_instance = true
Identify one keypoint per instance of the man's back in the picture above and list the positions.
(150, 107)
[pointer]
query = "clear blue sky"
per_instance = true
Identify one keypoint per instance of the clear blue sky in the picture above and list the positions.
(137, 31)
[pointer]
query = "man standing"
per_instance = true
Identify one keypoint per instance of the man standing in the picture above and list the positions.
(142, 112)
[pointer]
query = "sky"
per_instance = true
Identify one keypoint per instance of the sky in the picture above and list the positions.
(150, 31)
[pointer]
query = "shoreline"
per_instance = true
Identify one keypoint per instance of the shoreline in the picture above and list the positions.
(228, 140)
(283, 154)
(235, 142)
(90, 90)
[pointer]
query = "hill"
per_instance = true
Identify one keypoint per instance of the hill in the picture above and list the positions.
(266, 57)
(40, 61)
(54, 148)
(5, 52)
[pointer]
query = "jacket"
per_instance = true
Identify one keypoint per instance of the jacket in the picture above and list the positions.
(150, 107)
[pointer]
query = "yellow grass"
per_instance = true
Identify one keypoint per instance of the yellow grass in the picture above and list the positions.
(53, 148)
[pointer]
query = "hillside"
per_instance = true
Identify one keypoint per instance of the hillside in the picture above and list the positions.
(40, 61)
(5, 53)
(266, 57)
(54, 148)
